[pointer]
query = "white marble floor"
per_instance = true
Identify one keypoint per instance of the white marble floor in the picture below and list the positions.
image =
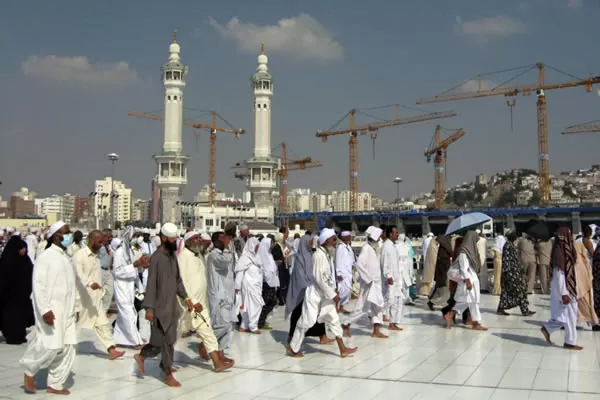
(510, 361)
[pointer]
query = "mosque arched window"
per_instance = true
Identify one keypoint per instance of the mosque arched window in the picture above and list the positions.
(169, 75)
(177, 75)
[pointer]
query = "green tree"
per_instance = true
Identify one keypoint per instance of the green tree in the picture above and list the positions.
(506, 199)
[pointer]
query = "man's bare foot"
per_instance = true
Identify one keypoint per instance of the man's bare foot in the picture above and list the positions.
(291, 353)
(325, 340)
(171, 381)
(347, 351)
(139, 359)
(113, 354)
(346, 330)
(394, 327)
(386, 319)
(572, 347)
(29, 384)
(546, 335)
(242, 330)
(449, 320)
(63, 392)
(479, 327)
(379, 335)
(202, 351)
(219, 364)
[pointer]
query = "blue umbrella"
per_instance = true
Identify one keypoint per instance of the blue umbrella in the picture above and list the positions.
(466, 222)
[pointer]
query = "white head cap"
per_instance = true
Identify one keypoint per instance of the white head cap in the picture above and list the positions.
(243, 226)
(33, 229)
(326, 233)
(115, 243)
(145, 231)
(205, 236)
(10, 229)
(478, 231)
(16, 233)
(189, 235)
(346, 233)
(54, 228)
(169, 230)
(374, 233)
(430, 234)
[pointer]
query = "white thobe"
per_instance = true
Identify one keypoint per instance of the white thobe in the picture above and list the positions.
(394, 294)
(483, 273)
(344, 261)
(562, 315)
(41, 247)
(126, 276)
(406, 267)
(147, 249)
(467, 298)
(221, 295)
(32, 246)
(54, 289)
(318, 305)
(74, 248)
(370, 300)
(92, 315)
(425, 246)
(192, 270)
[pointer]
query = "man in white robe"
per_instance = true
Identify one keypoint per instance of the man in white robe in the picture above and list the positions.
(194, 276)
(320, 299)
(344, 263)
(248, 283)
(221, 292)
(425, 246)
(106, 265)
(126, 276)
(147, 247)
(89, 278)
(405, 260)
(393, 280)
(370, 300)
(32, 244)
(56, 304)
(482, 251)
(563, 291)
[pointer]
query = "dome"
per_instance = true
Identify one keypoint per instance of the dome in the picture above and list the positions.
(263, 59)
(174, 48)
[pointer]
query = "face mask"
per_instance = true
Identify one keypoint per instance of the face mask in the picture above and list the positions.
(402, 236)
(67, 240)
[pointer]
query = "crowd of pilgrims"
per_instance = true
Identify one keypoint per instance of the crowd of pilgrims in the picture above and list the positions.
(195, 285)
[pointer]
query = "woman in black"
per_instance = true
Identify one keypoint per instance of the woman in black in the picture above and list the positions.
(278, 253)
(16, 272)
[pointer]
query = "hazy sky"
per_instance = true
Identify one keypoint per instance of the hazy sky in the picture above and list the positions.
(71, 71)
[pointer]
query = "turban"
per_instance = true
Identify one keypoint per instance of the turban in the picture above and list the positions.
(205, 236)
(189, 235)
(374, 233)
(346, 233)
(326, 233)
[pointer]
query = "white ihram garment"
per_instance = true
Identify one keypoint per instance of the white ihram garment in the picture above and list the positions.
(394, 293)
(54, 289)
(467, 298)
(562, 315)
(192, 270)
(249, 280)
(370, 300)
(92, 315)
(344, 261)
(318, 305)
(147, 249)
(425, 246)
(483, 274)
(126, 277)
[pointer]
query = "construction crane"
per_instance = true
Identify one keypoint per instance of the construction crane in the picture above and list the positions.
(373, 129)
(439, 149)
(588, 127)
(212, 170)
(542, 112)
(286, 165)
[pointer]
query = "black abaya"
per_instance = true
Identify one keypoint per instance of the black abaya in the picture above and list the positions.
(16, 272)
(317, 330)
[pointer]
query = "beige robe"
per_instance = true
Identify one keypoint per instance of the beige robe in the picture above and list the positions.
(583, 276)
(429, 268)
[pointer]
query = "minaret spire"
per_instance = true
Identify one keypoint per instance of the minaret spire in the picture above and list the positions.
(262, 48)
(175, 36)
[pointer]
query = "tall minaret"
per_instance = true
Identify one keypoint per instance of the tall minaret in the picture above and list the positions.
(262, 166)
(172, 169)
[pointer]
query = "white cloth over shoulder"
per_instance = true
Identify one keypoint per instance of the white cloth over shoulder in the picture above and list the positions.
(126, 277)
(270, 271)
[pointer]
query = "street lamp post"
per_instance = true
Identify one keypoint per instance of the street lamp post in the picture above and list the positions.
(398, 181)
(112, 157)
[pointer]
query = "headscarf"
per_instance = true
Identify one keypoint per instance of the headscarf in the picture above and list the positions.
(249, 256)
(564, 256)
(270, 270)
(16, 273)
(469, 248)
(302, 275)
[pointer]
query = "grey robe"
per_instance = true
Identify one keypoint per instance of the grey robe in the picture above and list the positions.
(163, 287)
(221, 294)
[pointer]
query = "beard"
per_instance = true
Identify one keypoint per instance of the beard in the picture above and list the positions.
(198, 249)
(171, 247)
